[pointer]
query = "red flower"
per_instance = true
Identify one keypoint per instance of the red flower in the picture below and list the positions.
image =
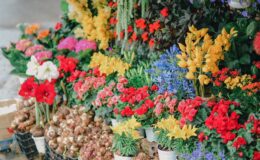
(67, 64)
(58, 26)
(145, 36)
(149, 103)
(134, 37)
(240, 141)
(151, 43)
(240, 154)
(228, 136)
(46, 93)
(257, 43)
(256, 155)
(116, 110)
(257, 64)
(113, 21)
(164, 12)
(202, 137)
(10, 130)
(127, 111)
(154, 88)
(141, 110)
(234, 73)
(154, 26)
(130, 29)
(28, 88)
(140, 23)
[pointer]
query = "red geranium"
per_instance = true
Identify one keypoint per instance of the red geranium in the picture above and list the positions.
(256, 155)
(140, 23)
(151, 43)
(134, 36)
(154, 26)
(145, 36)
(257, 43)
(257, 64)
(154, 88)
(67, 64)
(46, 93)
(240, 141)
(141, 110)
(28, 88)
(127, 111)
(130, 29)
(113, 21)
(164, 12)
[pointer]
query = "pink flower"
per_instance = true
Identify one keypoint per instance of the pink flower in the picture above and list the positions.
(120, 87)
(23, 44)
(158, 109)
(42, 55)
(83, 45)
(67, 43)
(31, 50)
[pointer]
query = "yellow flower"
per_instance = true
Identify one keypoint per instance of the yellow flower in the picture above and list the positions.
(190, 76)
(203, 79)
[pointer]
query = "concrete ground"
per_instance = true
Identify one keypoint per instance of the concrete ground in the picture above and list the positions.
(13, 12)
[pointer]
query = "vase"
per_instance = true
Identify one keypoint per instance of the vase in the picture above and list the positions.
(117, 157)
(40, 144)
(239, 4)
(150, 136)
(166, 155)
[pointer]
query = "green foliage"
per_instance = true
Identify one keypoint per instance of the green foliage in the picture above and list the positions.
(164, 141)
(125, 145)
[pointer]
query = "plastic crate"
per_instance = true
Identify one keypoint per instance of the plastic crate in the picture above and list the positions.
(26, 144)
(50, 154)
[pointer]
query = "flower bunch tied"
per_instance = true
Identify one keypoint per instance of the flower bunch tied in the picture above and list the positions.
(201, 55)
(126, 136)
(172, 136)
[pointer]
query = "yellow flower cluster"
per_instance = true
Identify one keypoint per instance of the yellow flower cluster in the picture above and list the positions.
(93, 27)
(128, 127)
(175, 130)
(238, 81)
(108, 65)
(200, 54)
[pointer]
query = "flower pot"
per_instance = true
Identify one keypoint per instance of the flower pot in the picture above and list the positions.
(150, 136)
(117, 157)
(40, 144)
(141, 132)
(239, 4)
(26, 144)
(166, 155)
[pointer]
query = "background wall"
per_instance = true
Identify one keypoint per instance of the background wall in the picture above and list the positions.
(13, 12)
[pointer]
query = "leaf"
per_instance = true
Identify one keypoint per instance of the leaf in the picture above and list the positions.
(251, 29)
(245, 59)
(64, 6)
(248, 137)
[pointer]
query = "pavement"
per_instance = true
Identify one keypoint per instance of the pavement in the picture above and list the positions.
(13, 12)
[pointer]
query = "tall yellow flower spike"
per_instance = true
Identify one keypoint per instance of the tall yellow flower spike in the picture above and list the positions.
(200, 54)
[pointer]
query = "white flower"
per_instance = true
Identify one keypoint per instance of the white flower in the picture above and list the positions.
(32, 67)
(48, 71)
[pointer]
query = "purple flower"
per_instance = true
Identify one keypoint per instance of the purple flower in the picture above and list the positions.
(244, 13)
(83, 45)
(67, 43)
(42, 55)
(31, 50)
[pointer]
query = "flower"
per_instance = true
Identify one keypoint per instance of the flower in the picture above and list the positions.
(128, 128)
(32, 67)
(154, 26)
(164, 12)
(140, 23)
(33, 49)
(67, 43)
(256, 155)
(47, 71)
(240, 141)
(257, 64)
(43, 34)
(127, 111)
(134, 37)
(113, 21)
(154, 88)
(67, 64)
(58, 26)
(43, 55)
(28, 88)
(168, 76)
(145, 36)
(46, 93)
(31, 29)
(256, 43)
(83, 45)
(151, 43)
(23, 44)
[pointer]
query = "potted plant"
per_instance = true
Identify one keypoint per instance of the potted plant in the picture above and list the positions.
(125, 140)
(171, 137)
(239, 4)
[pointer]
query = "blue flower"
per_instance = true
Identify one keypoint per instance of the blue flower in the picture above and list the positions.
(168, 76)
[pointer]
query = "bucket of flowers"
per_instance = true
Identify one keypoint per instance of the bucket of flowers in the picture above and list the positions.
(125, 140)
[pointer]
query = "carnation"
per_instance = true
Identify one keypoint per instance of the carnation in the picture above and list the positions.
(67, 43)
(83, 45)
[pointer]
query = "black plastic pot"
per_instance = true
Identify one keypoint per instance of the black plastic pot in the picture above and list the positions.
(50, 154)
(26, 144)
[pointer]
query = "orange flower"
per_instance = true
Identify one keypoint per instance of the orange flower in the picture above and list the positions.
(43, 34)
(31, 29)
